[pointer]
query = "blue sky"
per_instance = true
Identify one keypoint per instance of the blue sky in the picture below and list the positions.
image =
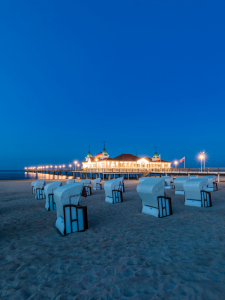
(137, 74)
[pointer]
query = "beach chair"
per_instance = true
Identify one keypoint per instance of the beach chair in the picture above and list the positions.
(154, 202)
(49, 193)
(32, 185)
(71, 216)
(169, 182)
(86, 183)
(97, 184)
(212, 185)
(70, 181)
(113, 191)
(179, 184)
(39, 189)
(122, 183)
(195, 193)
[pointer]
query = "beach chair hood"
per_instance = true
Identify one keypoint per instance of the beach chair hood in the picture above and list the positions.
(111, 185)
(179, 183)
(150, 189)
(193, 188)
(39, 185)
(86, 182)
(67, 194)
(70, 181)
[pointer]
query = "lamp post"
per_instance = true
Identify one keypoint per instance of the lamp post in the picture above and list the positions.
(75, 162)
(70, 166)
(201, 158)
(176, 163)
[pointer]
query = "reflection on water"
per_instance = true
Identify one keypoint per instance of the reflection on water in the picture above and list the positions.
(20, 175)
(41, 176)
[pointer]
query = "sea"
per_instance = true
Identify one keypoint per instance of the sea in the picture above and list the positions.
(21, 175)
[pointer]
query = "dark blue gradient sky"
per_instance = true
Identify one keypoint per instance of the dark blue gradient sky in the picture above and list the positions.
(137, 74)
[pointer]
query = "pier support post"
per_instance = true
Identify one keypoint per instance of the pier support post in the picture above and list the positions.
(128, 176)
(218, 179)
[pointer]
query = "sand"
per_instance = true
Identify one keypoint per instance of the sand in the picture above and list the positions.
(123, 255)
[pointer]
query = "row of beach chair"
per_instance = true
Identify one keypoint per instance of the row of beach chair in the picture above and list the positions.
(72, 217)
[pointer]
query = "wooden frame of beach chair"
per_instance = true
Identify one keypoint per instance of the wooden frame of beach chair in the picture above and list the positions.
(40, 193)
(71, 222)
(205, 201)
(164, 206)
(88, 190)
(117, 196)
(52, 205)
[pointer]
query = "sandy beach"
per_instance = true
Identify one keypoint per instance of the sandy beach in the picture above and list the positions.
(123, 255)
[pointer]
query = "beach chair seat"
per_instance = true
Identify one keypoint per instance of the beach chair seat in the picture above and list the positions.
(97, 184)
(169, 182)
(113, 191)
(152, 193)
(50, 189)
(86, 183)
(179, 184)
(212, 184)
(196, 194)
(71, 217)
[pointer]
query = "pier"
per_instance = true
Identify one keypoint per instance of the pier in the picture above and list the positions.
(130, 173)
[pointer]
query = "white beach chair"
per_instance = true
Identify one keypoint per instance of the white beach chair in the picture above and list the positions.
(152, 193)
(169, 182)
(71, 216)
(196, 194)
(179, 184)
(70, 181)
(212, 185)
(97, 184)
(86, 183)
(113, 191)
(32, 185)
(122, 183)
(49, 193)
(39, 189)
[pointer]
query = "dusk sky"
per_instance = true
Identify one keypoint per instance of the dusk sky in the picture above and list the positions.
(135, 74)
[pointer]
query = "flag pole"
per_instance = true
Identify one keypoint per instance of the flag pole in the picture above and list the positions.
(184, 162)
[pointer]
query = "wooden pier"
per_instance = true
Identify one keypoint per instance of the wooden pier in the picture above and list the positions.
(130, 173)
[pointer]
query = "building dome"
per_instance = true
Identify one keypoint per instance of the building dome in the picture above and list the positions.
(155, 155)
(89, 154)
(104, 152)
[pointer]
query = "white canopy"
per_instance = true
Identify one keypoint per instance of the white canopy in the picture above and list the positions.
(33, 182)
(121, 179)
(111, 185)
(70, 181)
(211, 180)
(39, 185)
(193, 188)
(86, 182)
(97, 180)
(67, 194)
(50, 188)
(179, 183)
(149, 189)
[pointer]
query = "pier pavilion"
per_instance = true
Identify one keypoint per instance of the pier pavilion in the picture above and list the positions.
(127, 161)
